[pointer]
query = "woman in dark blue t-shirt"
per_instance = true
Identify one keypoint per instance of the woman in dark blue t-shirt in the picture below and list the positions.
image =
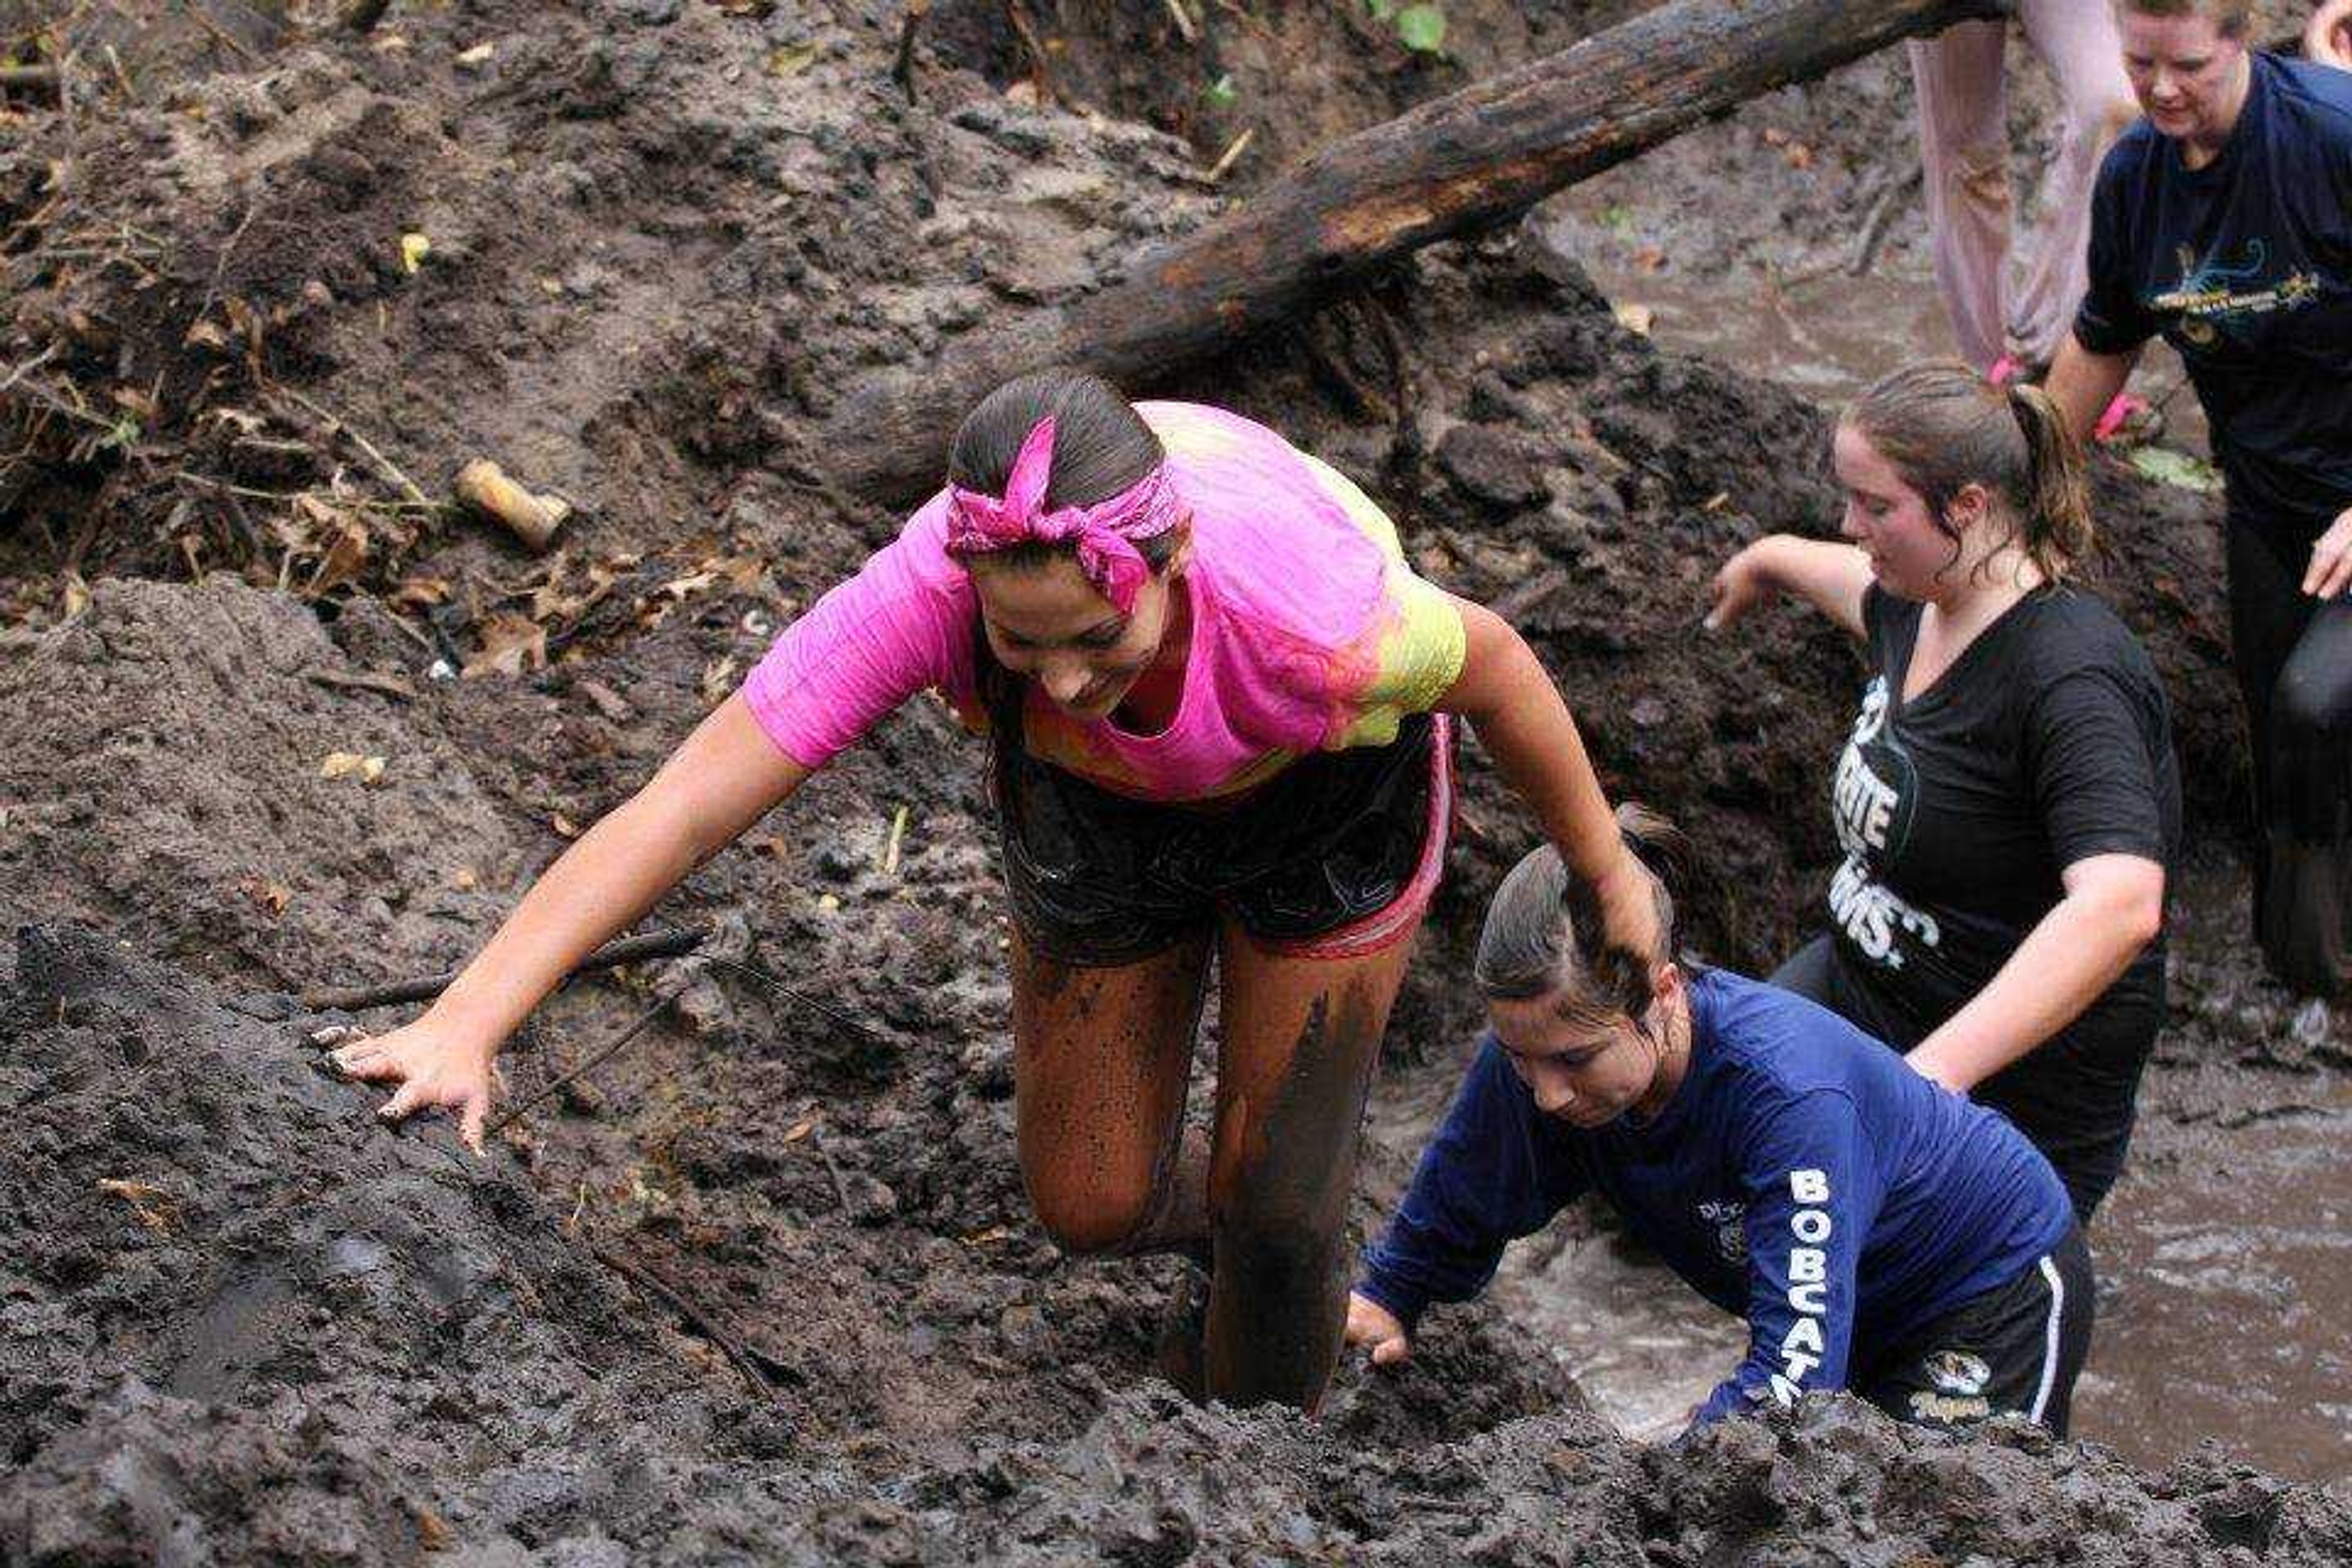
(2223, 222)
(1878, 1233)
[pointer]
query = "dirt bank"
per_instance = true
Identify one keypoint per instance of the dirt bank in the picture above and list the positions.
(656, 238)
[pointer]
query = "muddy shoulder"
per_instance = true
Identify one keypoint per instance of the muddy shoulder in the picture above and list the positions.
(767, 1289)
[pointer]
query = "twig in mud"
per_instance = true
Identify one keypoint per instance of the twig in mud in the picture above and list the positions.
(196, 10)
(629, 950)
(1232, 155)
(1882, 217)
(1873, 234)
(391, 470)
(699, 1320)
(28, 367)
(842, 1019)
(832, 1167)
(360, 681)
(26, 78)
(902, 66)
(1040, 69)
(590, 1063)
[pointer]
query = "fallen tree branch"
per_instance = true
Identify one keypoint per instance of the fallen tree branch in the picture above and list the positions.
(1453, 165)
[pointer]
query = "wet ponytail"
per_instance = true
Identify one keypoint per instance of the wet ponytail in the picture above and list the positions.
(1544, 934)
(2056, 529)
(1943, 428)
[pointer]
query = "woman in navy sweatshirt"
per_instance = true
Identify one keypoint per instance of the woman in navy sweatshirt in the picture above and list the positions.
(1879, 1232)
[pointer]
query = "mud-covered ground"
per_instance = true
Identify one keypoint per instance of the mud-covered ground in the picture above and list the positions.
(767, 1285)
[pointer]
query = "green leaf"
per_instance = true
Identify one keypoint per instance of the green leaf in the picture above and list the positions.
(1381, 10)
(2166, 467)
(1421, 29)
(1222, 92)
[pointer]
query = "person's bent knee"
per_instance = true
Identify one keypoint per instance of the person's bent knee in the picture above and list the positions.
(1088, 1219)
(2311, 706)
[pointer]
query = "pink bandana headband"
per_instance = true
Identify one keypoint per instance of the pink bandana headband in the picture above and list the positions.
(1104, 531)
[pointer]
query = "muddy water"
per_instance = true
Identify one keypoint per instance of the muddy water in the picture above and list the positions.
(1827, 337)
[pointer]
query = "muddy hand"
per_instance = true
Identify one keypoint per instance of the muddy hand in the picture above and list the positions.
(1738, 588)
(1629, 910)
(433, 1069)
(2331, 561)
(1372, 1325)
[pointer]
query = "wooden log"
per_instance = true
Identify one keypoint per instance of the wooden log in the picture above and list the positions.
(1453, 164)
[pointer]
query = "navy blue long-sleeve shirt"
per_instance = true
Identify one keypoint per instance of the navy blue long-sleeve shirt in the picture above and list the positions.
(1803, 1175)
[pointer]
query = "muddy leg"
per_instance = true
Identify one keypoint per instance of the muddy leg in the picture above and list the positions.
(1100, 1059)
(1301, 1037)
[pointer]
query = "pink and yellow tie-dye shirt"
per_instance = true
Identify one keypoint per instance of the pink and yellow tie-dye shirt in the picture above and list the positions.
(1309, 632)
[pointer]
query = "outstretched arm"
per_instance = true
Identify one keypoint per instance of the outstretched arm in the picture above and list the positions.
(1525, 727)
(1832, 578)
(724, 778)
(1489, 1176)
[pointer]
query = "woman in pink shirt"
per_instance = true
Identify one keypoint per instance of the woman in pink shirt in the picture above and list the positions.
(1218, 701)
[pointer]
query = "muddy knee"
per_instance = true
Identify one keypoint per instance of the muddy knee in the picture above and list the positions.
(1090, 1215)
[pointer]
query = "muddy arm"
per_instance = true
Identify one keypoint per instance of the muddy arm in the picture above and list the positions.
(726, 776)
(1521, 719)
(2082, 384)
(2114, 907)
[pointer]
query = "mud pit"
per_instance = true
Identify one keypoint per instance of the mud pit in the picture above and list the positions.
(240, 1322)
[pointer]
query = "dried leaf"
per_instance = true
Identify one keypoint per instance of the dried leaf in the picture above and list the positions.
(414, 249)
(419, 594)
(465, 879)
(563, 825)
(153, 1206)
(511, 645)
(1635, 318)
(718, 680)
(800, 1129)
(207, 334)
(478, 55)
(791, 59)
(271, 896)
(76, 594)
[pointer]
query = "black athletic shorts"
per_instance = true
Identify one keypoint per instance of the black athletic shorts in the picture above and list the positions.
(2015, 1350)
(1334, 857)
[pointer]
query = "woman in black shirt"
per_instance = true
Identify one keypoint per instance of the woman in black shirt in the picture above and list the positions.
(2007, 800)
(2223, 222)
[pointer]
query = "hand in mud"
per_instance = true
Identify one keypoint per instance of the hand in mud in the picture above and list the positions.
(1371, 1324)
(1738, 588)
(434, 1068)
(2331, 557)
(2328, 37)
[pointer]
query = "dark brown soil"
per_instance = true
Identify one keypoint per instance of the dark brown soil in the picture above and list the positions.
(240, 1322)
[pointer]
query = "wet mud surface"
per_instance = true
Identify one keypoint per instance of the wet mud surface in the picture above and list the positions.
(768, 1287)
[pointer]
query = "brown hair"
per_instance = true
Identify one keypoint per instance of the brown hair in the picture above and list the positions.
(1943, 428)
(2231, 18)
(1543, 934)
(1101, 445)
